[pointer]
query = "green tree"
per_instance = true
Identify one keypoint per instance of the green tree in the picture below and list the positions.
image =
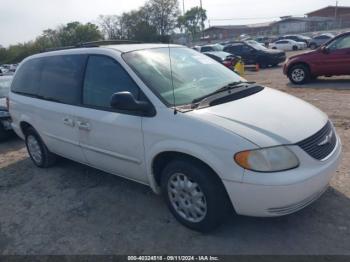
(74, 33)
(163, 14)
(70, 34)
(193, 21)
(137, 25)
(111, 27)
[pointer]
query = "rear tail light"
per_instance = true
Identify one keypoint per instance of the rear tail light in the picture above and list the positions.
(228, 63)
(7, 103)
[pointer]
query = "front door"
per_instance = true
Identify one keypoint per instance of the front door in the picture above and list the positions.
(111, 141)
(336, 61)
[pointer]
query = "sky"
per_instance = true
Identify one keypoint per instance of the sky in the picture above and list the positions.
(23, 20)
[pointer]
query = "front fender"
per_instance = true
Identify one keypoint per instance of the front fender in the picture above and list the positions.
(217, 159)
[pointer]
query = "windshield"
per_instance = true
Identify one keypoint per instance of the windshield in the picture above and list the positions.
(194, 75)
(5, 83)
(256, 45)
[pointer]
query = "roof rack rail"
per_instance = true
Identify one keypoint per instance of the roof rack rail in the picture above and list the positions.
(92, 44)
(58, 48)
(106, 42)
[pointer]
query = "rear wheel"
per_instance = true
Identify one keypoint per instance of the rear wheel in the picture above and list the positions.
(299, 74)
(295, 48)
(195, 195)
(37, 150)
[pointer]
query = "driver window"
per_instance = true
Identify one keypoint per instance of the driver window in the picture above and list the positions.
(340, 43)
(104, 76)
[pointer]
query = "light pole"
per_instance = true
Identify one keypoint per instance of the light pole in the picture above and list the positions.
(201, 5)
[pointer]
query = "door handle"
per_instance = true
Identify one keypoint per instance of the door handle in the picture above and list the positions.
(83, 125)
(68, 121)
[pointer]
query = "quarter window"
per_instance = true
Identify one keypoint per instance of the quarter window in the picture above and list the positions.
(28, 77)
(104, 76)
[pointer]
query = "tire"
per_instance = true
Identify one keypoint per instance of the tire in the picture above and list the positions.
(295, 48)
(37, 149)
(274, 47)
(212, 208)
(299, 74)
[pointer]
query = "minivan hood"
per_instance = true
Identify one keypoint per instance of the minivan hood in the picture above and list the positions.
(267, 118)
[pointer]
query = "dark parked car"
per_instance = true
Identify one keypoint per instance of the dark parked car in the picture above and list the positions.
(331, 59)
(297, 38)
(224, 58)
(320, 40)
(5, 119)
(256, 54)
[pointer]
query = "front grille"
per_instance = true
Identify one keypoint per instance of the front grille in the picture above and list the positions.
(321, 144)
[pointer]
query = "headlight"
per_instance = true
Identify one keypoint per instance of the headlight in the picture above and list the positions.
(272, 159)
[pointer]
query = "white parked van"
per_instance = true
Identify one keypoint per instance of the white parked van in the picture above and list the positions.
(188, 127)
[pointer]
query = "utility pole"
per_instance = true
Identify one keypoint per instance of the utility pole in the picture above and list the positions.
(183, 7)
(336, 13)
(201, 5)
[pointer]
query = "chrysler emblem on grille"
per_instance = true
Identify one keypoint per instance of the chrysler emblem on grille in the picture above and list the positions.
(327, 139)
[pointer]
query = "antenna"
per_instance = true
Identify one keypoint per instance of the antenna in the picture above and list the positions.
(172, 79)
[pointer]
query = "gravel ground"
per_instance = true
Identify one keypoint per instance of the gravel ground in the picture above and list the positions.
(74, 209)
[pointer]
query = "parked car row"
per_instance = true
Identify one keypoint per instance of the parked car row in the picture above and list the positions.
(8, 69)
(5, 119)
(251, 52)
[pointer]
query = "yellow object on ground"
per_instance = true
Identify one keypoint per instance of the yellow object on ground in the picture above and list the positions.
(239, 67)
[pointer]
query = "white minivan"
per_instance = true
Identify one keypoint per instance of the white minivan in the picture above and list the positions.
(176, 120)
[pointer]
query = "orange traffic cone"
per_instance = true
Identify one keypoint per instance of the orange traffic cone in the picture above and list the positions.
(257, 67)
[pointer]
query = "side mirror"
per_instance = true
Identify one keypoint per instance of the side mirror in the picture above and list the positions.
(126, 101)
(324, 49)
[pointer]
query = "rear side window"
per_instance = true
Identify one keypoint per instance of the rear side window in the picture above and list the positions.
(61, 78)
(103, 77)
(207, 49)
(235, 49)
(27, 78)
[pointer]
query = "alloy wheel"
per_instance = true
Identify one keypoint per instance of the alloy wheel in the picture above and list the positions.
(187, 198)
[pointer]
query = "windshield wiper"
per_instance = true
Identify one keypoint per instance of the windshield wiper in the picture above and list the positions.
(227, 87)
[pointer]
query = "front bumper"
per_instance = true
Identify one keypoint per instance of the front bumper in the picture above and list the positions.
(282, 193)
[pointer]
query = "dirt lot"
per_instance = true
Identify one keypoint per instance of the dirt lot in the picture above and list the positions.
(74, 209)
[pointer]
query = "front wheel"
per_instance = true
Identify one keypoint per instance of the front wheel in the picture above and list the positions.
(194, 195)
(299, 74)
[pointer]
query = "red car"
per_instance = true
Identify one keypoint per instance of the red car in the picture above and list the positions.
(331, 59)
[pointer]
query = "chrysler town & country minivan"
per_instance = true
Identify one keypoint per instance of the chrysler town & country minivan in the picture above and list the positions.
(176, 120)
